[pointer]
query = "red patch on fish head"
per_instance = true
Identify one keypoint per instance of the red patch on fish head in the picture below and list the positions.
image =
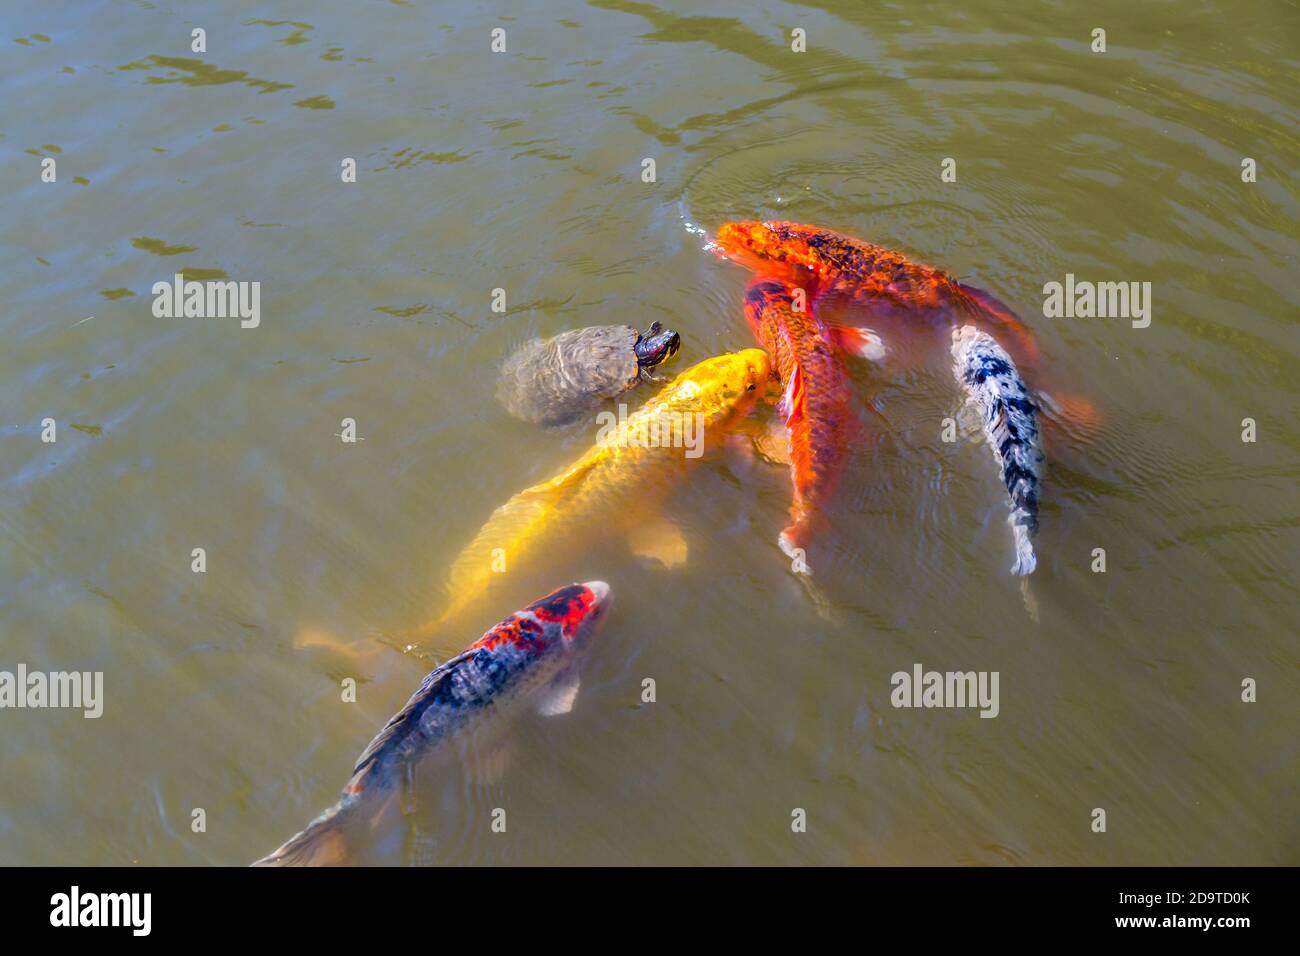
(518, 630)
(568, 607)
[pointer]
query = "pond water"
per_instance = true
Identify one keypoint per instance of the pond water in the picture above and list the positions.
(522, 171)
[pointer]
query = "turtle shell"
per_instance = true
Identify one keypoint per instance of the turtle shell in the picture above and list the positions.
(553, 381)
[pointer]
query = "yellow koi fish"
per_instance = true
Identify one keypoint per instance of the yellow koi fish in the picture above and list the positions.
(612, 487)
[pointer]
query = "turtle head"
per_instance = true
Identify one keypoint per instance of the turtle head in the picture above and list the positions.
(656, 345)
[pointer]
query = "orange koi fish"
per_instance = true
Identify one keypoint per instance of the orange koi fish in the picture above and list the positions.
(817, 401)
(895, 290)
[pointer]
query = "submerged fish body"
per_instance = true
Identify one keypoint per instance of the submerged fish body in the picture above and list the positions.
(617, 482)
(1009, 416)
(816, 403)
(895, 290)
(526, 658)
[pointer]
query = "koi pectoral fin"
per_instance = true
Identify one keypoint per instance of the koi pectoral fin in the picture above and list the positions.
(740, 451)
(864, 343)
(773, 442)
(560, 695)
(660, 541)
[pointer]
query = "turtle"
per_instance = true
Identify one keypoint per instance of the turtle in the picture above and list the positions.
(553, 381)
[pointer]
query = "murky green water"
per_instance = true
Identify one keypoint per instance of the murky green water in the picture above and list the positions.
(522, 171)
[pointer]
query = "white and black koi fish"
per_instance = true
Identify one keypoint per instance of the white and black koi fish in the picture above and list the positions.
(528, 658)
(1009, 414)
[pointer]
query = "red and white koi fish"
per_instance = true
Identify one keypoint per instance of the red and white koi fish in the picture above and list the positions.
(530, 657)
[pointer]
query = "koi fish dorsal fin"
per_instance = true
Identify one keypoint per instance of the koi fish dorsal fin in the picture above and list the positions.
(397, 725)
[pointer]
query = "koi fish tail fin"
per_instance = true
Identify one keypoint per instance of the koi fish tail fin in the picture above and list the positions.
(1022, 529)
(793, 541)
(987, 311)
(1031, 601)
(322, 843)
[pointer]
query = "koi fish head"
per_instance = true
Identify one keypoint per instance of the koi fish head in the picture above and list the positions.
(963, 338)
(566, 618)
(723, 387)
(575, 612)
(979, 355)
(787, 249)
